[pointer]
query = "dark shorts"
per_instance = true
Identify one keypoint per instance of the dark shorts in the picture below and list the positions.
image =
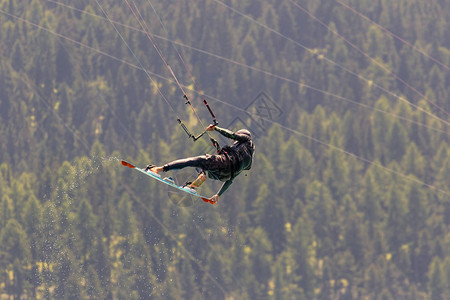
(217, 166)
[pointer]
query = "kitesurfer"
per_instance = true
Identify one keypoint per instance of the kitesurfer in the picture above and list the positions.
(225, 166)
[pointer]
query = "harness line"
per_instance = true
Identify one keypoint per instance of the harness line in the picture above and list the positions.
(388, 71)
(137, 67)
(146, 30)
(184, 64)
(311, 51)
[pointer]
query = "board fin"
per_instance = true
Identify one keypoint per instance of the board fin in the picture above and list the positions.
(207, 200)
(127, 164)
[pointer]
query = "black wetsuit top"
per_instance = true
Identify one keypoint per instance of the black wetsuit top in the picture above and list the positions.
(236, 157)
(227, 164)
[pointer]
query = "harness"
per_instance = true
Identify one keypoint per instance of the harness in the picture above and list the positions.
(233, 157)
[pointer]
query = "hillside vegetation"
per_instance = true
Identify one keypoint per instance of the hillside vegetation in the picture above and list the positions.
(349, 194)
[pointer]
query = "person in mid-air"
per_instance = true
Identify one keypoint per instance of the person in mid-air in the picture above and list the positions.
(225, 166)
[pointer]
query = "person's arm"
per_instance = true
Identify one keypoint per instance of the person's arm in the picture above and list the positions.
(228, 133)
(225, 186)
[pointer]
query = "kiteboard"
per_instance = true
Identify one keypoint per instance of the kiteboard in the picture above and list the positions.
(167, 181)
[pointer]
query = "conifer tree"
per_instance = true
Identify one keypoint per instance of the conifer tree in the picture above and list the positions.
(141, 269)
(86, 225)
(336, 173)
(6, 210)
(354, 238)
(32, 219)
(395, 220)
(260, 261)
(417, 213)
(16, 256)
(66, 275)
(189, 284)
(396, 141)
(322, 213)
(17, 60)
(300, 243)
(371, 203)
(436, 284)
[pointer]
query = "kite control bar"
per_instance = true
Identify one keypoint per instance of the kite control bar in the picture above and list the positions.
(207, 106)
(195, 138)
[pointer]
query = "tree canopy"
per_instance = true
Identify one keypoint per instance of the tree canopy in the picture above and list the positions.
(348, 196)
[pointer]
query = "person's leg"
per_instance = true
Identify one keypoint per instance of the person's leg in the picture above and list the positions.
(156, 170)
(199, 181)
(197, 161)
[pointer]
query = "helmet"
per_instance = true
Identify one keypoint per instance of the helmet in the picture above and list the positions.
(249, 143)
(244, 132)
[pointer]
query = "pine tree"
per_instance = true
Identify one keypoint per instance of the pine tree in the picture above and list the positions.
(354, 238)
(16, 256)
(101, 268)
(385, 295)
(421, 258)
(371, 203)
(436, 284)
(417, 212)
(373, 281)
(322, 213)
(240, 267)
(271, 215)
(6, 210)
(189, 285)
(93, 285)
(86, 225)
(326, 290)
(300, 243)
(446, 271)
(32, 219)
(126, 223)
(381, 124)
(142, 272)
(66, 275)
(395, 220)
(260, 261)
(350, 140)
(17, 60)
(50, 241)
(396, 141)
(336, 174)
(413, 162)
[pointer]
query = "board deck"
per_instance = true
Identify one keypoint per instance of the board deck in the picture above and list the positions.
(168, 182)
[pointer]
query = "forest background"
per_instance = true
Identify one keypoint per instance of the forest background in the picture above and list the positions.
(348, 197)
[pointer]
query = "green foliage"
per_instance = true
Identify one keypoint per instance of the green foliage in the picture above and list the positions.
(344, 201)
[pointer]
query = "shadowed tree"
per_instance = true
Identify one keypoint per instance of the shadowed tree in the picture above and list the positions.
(436, 283)
(141, 269)
(395, 223)
(64, 66)
(371, 203)
(33, 221)
(337, 172)
(321, 211)
(17, 60)
(15, 256)
(300, 243)
(189, 284)
(417, 213)
(396, 141)
(66, 275)
(86, 225)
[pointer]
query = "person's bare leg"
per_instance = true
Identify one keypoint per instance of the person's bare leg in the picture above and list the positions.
(199, 181)
(157, 170)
